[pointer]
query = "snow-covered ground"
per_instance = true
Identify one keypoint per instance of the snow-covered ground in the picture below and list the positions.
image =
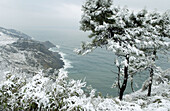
(159, 100)
(69, 95)
(139, 101)
(4, 40)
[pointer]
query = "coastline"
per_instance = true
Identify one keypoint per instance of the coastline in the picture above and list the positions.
(21, 54)
(67, 63)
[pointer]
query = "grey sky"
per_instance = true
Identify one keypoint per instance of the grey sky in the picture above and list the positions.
(62, 15)
(160, 5)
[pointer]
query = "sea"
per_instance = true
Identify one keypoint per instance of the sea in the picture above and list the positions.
(96, 68)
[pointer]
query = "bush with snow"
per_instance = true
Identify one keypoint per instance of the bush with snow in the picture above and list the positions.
(40, 93)
(18, 92)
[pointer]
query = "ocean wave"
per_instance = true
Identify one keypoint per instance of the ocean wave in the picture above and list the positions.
(67, 63)
(57, 46)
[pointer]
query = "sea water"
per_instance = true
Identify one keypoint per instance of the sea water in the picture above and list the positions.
(97, 68)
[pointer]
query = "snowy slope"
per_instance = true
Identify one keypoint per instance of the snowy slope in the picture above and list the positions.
(160, 98)
(6, 39)
(19, 52)
(14, 33)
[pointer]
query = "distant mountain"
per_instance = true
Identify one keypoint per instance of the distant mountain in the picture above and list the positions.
(18, 51)
(14, 33)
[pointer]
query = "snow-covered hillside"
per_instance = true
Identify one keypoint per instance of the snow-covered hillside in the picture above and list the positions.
(6, 39)
(14, 33)
(19, 51)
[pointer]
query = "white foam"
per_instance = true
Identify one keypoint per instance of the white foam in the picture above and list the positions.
(57, 46)
(67, 63)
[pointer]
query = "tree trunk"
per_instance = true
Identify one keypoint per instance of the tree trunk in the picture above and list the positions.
(150, 82)
(132, 84)
(118, 79)
(151, 75)
(122, 89)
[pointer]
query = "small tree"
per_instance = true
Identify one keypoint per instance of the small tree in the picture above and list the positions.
(156, 39)
(133, 37)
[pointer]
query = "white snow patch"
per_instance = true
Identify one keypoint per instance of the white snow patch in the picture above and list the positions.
(5, 39)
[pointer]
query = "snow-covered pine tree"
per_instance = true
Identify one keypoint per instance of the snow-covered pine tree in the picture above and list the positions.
(133, 37)
(155, 38)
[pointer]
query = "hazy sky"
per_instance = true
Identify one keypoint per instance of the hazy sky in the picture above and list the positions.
(58, 14)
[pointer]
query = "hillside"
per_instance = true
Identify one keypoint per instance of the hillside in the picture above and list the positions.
(19, 51)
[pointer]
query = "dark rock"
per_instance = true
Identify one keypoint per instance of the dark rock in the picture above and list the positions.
(44, 57)
(48, 44)
(166, 74)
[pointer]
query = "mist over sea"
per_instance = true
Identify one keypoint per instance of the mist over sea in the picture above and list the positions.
(96, 68)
